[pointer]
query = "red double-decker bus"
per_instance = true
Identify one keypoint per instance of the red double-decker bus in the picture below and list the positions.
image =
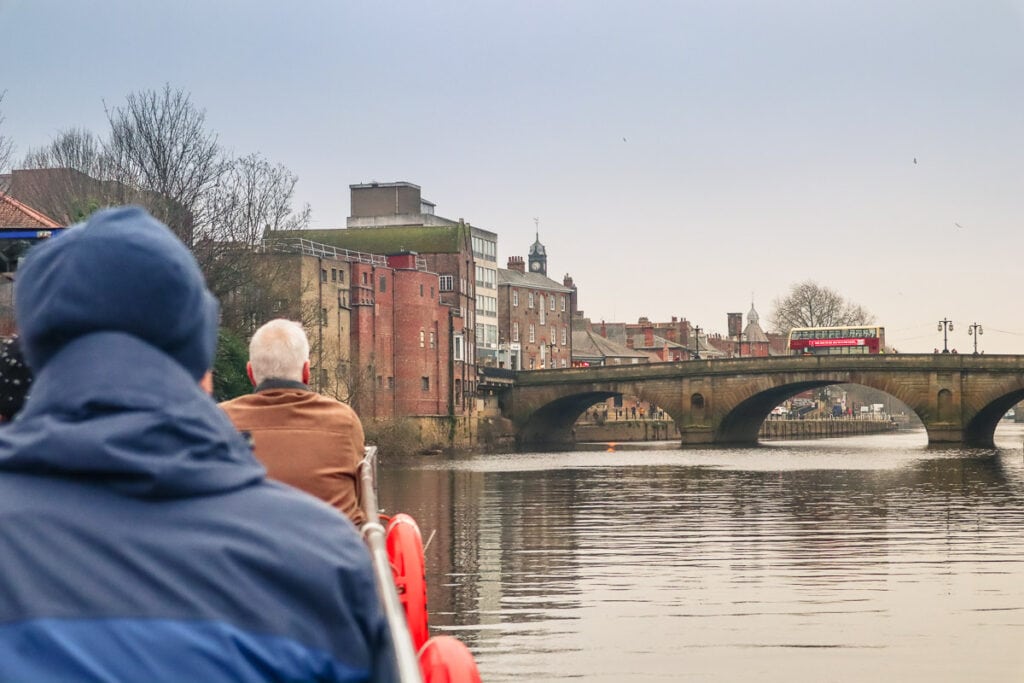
(829, 341)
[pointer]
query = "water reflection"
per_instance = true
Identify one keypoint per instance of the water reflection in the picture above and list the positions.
(873, 558)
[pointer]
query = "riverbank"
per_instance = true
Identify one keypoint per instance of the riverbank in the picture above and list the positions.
(665, 430)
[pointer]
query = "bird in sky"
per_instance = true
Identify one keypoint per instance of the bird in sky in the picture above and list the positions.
(958, 225)
(915, 160)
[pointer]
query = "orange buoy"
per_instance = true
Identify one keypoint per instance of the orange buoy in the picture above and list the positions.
(445, 659)
(405, 550)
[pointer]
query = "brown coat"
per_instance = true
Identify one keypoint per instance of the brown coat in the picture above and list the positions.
(305, 440)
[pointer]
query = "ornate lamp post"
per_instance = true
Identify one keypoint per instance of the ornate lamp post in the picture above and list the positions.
(975, 331)
(696, 346)
(945, 327)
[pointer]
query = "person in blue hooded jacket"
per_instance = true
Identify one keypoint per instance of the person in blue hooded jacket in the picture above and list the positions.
(140, 539)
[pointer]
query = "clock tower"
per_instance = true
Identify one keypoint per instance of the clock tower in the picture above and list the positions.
(538, 257)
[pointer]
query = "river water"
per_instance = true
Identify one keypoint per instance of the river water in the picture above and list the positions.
(869, 558)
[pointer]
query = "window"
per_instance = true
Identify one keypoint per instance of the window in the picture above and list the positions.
(380, 381)
(432, 340)
(334, 274)
(486, 305)
(323, 317)
(383, 284)
(458, 351)
(485, 277)
(533, 335)
(446, 283)
(421, 291)
(551, 302)
(542, 313)
(422, 337)
(323, 275)
(366, 278)
(515, 332)
(565, 335)
(458, 391)
(515, 298)
(425, 383)
(391, 382)
(529, 303)
(341, 275)
(563, 304)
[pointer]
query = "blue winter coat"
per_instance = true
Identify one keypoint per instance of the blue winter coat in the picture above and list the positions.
(140, 541)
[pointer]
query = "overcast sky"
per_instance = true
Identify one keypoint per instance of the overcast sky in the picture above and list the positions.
(682, 158)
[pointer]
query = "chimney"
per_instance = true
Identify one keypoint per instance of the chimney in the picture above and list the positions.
(604, 330)
(648, 336)
(516, 263)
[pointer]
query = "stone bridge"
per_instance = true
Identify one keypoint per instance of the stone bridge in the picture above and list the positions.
(960, 398)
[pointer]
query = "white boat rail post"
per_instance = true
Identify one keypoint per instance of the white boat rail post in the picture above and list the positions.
(376, 540)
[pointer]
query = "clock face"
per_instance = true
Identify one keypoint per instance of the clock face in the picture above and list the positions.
(535, 265)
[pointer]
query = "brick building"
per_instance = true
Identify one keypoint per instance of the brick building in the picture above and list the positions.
(379, 334)
(393, 219)
(535, 314)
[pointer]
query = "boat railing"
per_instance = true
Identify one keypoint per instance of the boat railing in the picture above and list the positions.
(375, 536)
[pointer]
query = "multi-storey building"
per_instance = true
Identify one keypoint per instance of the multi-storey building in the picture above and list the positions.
(394, 219)
(379, 334)
(534, 315)
(485, 256)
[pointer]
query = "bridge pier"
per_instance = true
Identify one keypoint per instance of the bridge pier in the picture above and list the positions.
(697, 436)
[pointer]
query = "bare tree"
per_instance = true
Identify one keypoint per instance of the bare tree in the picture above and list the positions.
(6, 144)
(159, 146)
(250, 197)
(66, 179)
(809, 304)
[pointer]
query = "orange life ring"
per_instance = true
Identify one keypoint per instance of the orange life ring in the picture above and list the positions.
(445, 659)
(405, 550)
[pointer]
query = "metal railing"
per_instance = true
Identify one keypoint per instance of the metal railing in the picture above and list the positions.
(300, 245)
(376, 540)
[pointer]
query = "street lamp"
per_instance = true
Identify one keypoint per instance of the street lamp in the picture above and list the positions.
(975, 331)
(945, 327)
(696, 349)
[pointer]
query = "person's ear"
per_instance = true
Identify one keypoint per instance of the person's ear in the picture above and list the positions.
(305, 372)
(206, 382)
(248, 371)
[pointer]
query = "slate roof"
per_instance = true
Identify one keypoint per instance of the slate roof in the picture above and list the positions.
(587, 345)
(529, 280)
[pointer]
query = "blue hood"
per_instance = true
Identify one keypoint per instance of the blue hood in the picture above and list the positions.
(117, 411)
